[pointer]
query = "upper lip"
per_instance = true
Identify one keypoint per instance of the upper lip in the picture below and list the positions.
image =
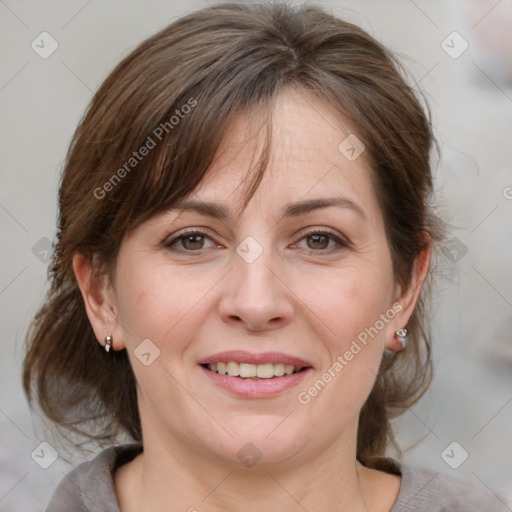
(240, 356)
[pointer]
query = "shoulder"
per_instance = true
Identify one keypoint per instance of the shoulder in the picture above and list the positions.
(90, 486)
(423, 490)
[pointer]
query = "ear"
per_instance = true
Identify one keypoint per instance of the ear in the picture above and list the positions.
(99, 300)
(408, 298)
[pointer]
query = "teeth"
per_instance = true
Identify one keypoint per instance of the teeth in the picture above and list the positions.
(265, 371)
(233, 369)
(246, 370)
(279, 370)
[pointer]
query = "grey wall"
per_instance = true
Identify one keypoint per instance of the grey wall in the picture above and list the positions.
(41, 100)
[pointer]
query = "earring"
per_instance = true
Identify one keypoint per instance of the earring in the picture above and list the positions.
(108, 343)
(401, 334)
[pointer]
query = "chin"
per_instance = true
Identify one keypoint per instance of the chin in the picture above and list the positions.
(262, 440)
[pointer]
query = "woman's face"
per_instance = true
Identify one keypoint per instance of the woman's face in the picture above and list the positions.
(285, 282)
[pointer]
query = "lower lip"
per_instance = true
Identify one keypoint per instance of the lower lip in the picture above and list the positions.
(262, 388)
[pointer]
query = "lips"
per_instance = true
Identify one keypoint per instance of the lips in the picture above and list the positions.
(255, 375)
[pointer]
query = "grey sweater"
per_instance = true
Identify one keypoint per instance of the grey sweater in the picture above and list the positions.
(90, 488)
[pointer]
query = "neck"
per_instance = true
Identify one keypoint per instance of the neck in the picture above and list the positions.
(193, 482)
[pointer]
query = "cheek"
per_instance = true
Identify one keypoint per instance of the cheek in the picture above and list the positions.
(163, 304)
(153, 301)
(353, 317)
(348, 303)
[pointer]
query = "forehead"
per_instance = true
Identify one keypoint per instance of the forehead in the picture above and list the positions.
(308, 159)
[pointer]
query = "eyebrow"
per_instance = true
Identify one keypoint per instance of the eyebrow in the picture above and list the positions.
(222, 212)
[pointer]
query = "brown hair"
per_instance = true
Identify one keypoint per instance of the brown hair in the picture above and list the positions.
(218, 61)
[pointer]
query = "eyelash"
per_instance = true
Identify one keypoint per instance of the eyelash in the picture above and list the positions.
(193, 232)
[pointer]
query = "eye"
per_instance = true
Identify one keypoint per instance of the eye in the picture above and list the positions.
(193, 240)
(318, 241)
(190, 241)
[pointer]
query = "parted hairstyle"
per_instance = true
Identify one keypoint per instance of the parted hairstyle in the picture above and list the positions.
(175, 95)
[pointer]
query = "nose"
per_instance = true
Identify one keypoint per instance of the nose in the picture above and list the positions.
(256, 295)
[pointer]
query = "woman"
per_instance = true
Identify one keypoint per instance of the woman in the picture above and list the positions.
(241, 276)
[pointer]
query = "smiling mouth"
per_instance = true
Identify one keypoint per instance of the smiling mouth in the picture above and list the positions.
(249, 371)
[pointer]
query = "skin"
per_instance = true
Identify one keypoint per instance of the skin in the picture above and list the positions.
(303, 296)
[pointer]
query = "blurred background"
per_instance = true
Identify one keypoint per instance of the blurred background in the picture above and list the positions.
(459, 53)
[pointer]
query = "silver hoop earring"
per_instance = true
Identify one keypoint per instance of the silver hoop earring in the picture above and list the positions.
(108, 343)
(401, 334)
